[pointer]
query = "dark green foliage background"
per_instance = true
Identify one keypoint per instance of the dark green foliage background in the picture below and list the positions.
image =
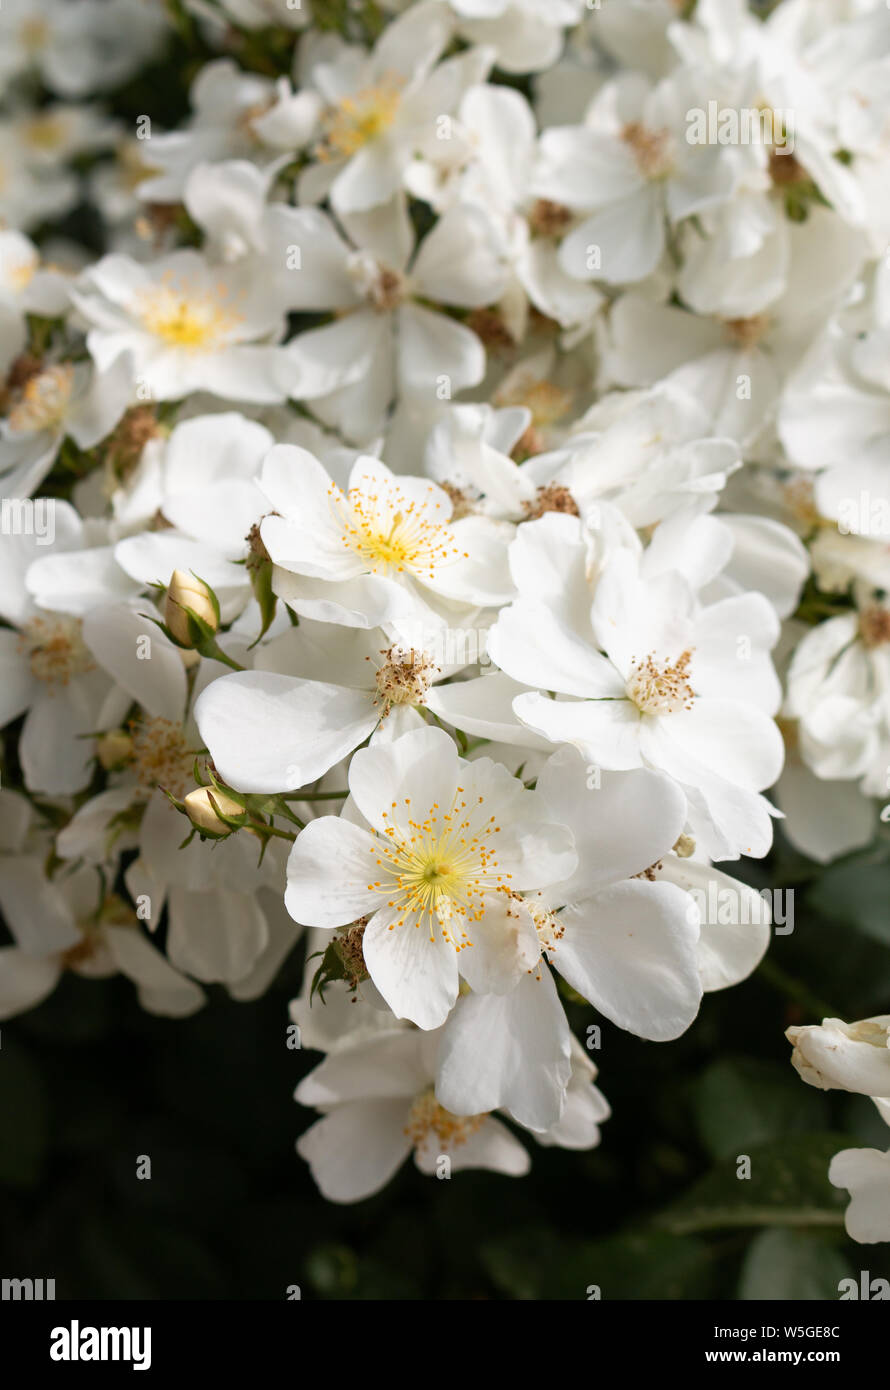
(88, 1082)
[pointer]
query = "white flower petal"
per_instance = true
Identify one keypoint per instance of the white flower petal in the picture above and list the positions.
(329, 873)
(274, 733)
(356, 1149)
(25, 981)
(865, 1173)
(509, 1051)
(606, 732)
(631, 952)
(412, 965)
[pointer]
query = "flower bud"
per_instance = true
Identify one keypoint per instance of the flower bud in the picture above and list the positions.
(189, 657)
(114, 749)
(205, 813)
(186, 596)
(842, 1056)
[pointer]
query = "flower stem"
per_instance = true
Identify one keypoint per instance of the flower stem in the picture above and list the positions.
(796, 991)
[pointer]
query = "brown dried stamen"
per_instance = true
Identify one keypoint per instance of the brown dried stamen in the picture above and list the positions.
(428, 1119)
(461, 504)
(547, 218)
(552, 498)
(784, 169)
(489, 326)
(349, 949)
(55, 648)
(747, 333)
(661, 687)
(651, 149)
(404, 678)
(874, 626)
(161, 755)
(257, 552)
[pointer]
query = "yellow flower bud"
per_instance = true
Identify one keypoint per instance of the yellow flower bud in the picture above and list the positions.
(114, 749)
(185, 591)
(206, 816)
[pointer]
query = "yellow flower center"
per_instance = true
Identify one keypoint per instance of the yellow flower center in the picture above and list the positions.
(56, 649)
(45, 132)
(440, 867)
(133, 168)
(393, 533)
(19, 274)
(187, 319)
(43, 401)
(661, 687)
(357, 120)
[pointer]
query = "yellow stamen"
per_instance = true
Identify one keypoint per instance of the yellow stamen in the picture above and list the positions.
(439, 868)
(358, 119)
(44, 400)
(185, 318)
(393, 533)
(45, 132)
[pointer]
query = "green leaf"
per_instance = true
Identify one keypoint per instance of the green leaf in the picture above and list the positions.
(783, 1264)
(518, 1264)
(332, 1270)
(788, 1186)
(740, 1103)
(856, 894)
(130, 1256)
(261, 583)
(538, 1264)
(338, 963)
(863, 1122)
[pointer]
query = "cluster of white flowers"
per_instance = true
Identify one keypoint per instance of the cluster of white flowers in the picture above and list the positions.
(464, 409)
